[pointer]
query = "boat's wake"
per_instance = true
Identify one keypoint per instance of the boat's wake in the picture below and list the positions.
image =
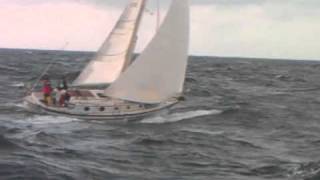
(175, 117)
(39, 120)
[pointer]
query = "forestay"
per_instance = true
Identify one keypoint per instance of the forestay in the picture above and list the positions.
(116, 52)
(159, 72)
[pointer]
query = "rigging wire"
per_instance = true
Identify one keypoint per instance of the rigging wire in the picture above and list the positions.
(52, 62)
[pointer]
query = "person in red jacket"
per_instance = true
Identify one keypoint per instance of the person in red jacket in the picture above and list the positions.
(46, 90)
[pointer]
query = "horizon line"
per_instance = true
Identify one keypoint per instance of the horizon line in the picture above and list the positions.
(190, 55)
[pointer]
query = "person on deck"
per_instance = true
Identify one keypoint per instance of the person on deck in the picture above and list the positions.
(54, 95)
(62, 99)
(65, 96)
(46, 90)
(64, 84)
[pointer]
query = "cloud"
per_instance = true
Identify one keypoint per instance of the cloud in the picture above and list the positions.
(254, 28)
(256, 31)
(49, 26)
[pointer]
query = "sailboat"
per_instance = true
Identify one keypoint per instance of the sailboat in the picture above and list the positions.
(151, 82)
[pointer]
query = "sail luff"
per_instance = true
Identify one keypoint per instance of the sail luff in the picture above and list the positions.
(113, 56)
(159, 72)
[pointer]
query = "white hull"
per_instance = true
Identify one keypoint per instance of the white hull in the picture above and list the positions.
(97, 108)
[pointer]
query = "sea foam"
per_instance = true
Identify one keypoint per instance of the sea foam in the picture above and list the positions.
(175, 117)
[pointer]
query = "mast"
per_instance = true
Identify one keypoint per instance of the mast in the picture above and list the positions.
(134, 38)
(158, 15)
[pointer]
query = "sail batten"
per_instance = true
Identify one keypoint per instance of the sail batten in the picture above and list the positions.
(159, 72)
(113, 56)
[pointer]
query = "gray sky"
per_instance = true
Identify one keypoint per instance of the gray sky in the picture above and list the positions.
(245, 28)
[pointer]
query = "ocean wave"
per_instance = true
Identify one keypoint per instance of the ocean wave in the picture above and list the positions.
(244, 143)
(307, 171)
(175, 117)
(5, 144)
(8, 68)
(159, 141)
(37, 168)
(148, 141)
(269, 171)
(12, 105)
(198, 164)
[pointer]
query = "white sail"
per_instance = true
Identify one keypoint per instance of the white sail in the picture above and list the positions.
(159, 72)
(116, 52)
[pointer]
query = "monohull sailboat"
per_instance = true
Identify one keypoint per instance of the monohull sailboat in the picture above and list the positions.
(154, 81)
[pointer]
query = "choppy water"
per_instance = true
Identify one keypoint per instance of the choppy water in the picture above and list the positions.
(243, 120)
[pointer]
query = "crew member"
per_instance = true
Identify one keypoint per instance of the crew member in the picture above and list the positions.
(46, 90)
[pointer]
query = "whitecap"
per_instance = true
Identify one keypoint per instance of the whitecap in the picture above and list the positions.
(18, 84)
(202, 131)
(175, 117)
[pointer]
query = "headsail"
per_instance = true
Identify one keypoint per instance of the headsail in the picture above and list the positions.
(115, 53)
(159, 72)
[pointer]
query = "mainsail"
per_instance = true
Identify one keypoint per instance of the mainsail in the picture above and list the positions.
(116, 52)
(159, 72)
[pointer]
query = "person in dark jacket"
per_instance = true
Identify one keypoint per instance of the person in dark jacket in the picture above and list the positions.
(64, 84)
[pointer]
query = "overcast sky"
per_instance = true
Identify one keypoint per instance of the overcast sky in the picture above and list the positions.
(245, 28)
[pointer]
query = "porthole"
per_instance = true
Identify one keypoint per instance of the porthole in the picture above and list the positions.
(87, 109)
(128, 107)
(116, 108)
(102, 108)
